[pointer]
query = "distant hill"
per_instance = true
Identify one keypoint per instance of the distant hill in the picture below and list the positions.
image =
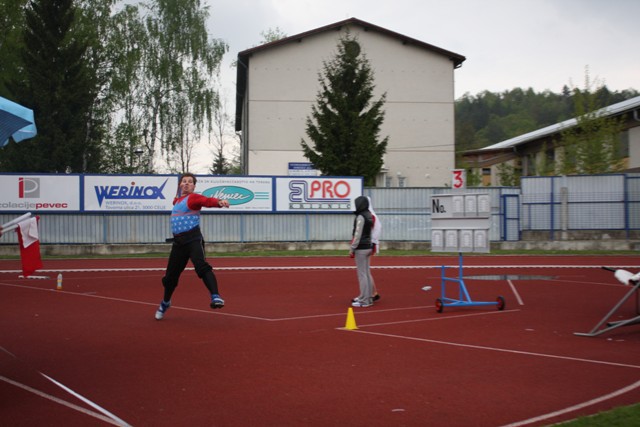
(488, 118)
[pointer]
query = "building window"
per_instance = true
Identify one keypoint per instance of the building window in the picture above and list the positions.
(551, 156)
(387, 181)
(529, 165)
(401, 181)
(623, 146)
(486, 176)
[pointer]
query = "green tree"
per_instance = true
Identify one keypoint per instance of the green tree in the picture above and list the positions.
(488, 118)
(60, 85)
(508, 175)
(272, 35)
(545, 162)
(159, 92)
(592, 145)
(177, 93)
(344, 125)
(222, 137)
(97, 25)
(124, 41)
(11, 25)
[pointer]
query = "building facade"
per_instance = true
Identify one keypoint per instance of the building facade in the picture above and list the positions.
(277, 84)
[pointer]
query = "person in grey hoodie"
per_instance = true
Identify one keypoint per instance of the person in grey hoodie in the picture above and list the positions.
(361, 249)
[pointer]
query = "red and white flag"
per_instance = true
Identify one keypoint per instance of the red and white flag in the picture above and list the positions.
(29, 246)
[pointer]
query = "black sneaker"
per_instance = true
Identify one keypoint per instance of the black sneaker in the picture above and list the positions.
(375, 298)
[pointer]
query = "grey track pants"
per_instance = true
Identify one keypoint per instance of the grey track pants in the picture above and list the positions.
(365, 280)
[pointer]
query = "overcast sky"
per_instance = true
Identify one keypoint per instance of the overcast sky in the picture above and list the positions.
(542, 44)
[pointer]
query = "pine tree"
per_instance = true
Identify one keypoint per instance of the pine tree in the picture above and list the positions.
(344, 125)
(221, 165)
(60, 87)
(11, 24)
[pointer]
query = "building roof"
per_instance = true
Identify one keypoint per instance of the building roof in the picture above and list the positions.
(611, 110)
(243, 57)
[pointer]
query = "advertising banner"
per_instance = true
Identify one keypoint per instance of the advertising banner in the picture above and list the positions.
(129, 193)
(250, 193)
(317, 194)
(155, 193)
(39, 193)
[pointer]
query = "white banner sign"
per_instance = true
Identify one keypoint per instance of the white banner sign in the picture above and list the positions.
(243, 193)
(317, 194)
(129, 193)
(39, 193)
(155, 193)
(460, 222)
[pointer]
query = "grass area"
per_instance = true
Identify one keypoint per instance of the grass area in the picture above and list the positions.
(618, 417)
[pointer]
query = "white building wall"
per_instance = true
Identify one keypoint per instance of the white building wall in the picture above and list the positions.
(283, 85)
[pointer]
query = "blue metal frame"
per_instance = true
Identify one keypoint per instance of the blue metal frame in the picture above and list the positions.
(507, 218)
(464, 299)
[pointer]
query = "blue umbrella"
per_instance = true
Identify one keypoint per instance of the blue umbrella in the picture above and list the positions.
(16, 122)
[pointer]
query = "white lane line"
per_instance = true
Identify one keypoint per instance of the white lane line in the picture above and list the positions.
(430, 319)
(576, 407)
(118, 421)
(502, 350)
(318, 267)
(515, 292)
(154, 304)
(374, 311)
(61, 402)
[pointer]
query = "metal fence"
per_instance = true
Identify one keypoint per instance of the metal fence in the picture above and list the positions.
(581, 203)
(542, 204)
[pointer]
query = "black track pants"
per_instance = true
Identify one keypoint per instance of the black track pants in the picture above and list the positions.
(180, 255)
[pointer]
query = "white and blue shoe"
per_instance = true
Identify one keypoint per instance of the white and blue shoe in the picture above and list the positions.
(164, 306)
(216, 301)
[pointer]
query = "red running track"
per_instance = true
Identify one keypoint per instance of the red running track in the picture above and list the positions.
(278, 353)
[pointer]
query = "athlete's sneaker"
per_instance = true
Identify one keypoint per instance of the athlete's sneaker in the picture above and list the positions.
(164, 306)
(361, 304)
(375, 298)
(216, 301)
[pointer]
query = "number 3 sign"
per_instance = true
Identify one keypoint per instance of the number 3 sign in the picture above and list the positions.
(459, 179)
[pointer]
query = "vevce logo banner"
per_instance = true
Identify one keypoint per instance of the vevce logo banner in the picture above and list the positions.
(234, 194)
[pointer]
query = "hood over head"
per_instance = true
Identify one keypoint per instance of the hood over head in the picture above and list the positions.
(362, 204)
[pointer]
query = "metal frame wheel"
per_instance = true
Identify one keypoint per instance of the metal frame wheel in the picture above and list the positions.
(501, 303)
(439, 305)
